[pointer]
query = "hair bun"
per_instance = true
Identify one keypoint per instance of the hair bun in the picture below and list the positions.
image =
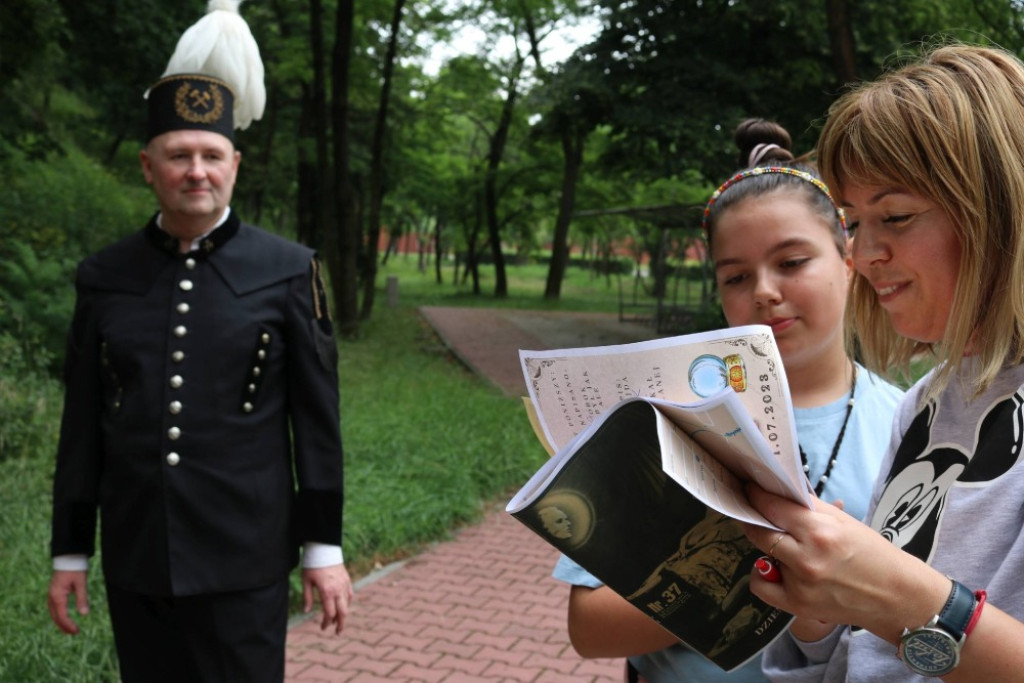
(761, 141)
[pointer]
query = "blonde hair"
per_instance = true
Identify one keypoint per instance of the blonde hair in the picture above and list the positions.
(949, 127)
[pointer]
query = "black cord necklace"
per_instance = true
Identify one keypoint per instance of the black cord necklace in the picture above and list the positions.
(839, 440)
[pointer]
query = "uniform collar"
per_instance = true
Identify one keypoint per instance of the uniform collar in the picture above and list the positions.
(205, 245)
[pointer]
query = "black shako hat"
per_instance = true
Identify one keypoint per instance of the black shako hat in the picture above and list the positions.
(191, 102)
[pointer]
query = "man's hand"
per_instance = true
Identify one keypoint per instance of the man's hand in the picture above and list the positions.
(63, 584)
(334, 588)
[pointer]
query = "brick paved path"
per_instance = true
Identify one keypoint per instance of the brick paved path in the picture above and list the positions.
(483, 606)
(487, 340)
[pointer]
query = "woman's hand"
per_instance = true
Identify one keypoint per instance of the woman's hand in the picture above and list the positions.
(839, 571)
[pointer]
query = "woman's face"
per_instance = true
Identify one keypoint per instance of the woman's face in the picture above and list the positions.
(777, 264)
(906, 248)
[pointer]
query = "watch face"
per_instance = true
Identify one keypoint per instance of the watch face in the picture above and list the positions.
(930, 651)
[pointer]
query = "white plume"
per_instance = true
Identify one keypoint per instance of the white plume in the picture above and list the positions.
(221, 45)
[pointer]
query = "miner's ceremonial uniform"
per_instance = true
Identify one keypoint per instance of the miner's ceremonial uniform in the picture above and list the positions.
(200, 419)
(187, 375)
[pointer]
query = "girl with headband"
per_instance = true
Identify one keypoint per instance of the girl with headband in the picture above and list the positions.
(928, 163)
(779, 245)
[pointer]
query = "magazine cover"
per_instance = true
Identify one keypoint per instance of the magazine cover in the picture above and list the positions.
(612, 508)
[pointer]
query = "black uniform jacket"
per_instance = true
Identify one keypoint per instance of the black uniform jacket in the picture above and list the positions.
(201, 413)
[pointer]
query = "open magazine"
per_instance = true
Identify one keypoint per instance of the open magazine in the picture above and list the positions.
(652, 443)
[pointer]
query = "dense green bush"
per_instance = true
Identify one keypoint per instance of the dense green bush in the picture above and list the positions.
(36, 302)
(67, 205)
(55, 212)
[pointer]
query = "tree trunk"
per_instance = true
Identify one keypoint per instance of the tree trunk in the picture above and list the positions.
(438, 251)
(306, 217)
(572, 151)
(472, 266)
(308, 198)
(422, 240)
(394, 237)
(840, 38)
(323, 210)
(495, 153)
(269, 130)
(342, 236)
(377, 167)
(573, 137)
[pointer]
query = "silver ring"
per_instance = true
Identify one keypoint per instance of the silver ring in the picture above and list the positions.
(771, 551)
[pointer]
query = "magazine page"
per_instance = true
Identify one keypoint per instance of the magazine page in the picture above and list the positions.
(571, 387)
(712, 450)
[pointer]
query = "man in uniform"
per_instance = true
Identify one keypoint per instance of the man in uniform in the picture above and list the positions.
(200, 420)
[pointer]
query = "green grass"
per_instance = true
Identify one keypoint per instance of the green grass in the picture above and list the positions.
(31, 648)
(425, 440)
(581, 290)
(428, 447)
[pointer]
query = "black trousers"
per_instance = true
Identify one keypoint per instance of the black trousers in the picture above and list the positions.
(217, 638)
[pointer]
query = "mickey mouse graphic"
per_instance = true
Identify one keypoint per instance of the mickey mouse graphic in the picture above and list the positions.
(924, 470)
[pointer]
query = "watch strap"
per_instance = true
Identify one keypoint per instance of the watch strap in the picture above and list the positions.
(957, 612)
(979, 597)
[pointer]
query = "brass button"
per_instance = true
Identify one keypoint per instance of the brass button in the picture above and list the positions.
(183, 308)
(173, 459)
(174, 408)
(247, 407)
(178, 356)
(176, 381)
(180, 331)
(173, 433)
(190, 263)
(265, 338)
(186, 285)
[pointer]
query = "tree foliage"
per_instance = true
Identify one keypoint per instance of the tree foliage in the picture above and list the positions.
(495, 149)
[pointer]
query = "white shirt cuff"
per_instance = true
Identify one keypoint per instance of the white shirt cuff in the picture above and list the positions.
(316, 555)
(71, 563)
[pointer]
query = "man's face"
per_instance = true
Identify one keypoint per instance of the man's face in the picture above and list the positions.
(192, 173)
(556, 522)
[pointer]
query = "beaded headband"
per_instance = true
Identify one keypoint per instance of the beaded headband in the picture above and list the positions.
(761, 170)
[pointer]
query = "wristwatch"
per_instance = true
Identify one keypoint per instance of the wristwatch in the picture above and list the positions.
(934, 649)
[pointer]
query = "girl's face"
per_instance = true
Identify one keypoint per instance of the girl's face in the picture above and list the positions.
(906, 248)
(777, 264)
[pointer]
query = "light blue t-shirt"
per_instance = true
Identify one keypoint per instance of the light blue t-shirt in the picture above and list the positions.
(864, 445)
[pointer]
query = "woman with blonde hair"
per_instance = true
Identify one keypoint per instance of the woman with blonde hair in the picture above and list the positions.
(928, 162)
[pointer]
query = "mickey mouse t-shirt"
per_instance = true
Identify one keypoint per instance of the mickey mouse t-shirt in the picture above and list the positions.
(952, 495)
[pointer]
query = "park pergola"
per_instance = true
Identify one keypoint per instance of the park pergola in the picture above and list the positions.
(668, 314)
